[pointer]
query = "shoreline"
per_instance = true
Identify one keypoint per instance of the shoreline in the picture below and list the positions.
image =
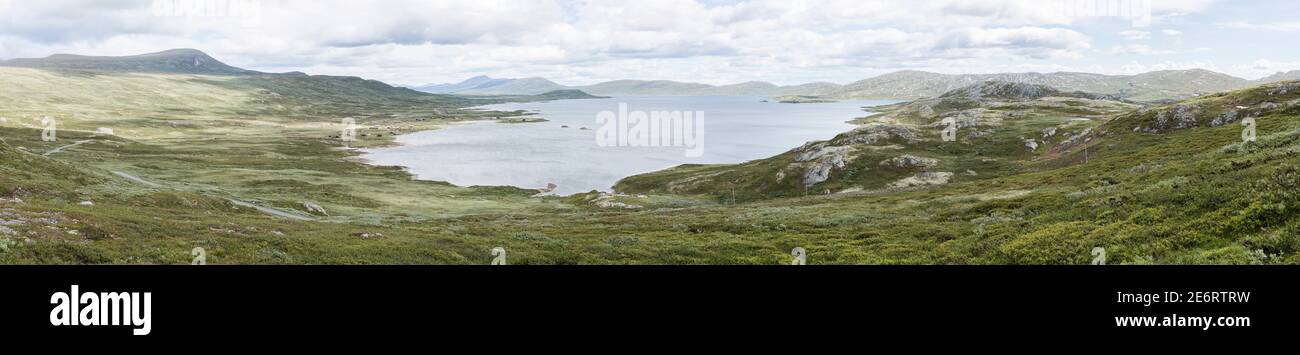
(862, 112)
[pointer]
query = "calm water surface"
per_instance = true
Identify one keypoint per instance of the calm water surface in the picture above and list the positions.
(532, 155)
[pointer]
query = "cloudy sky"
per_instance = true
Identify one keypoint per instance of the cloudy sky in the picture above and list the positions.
(711, 41)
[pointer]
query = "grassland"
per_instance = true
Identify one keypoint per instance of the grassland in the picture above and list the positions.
(205, 147)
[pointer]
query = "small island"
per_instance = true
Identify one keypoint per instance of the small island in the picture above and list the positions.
(802, 99)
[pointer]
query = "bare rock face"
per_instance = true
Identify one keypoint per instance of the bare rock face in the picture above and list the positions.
(550, 187)
(908, 161)
(1031, 144)
(314, 209)
(926, 112)
(923, 179)
(818, 173)
(1284, 89)
(1077, 138)
(874, 133)
(818, 151)
(607, 201)
(819, 159)
(1180, 117)
(1224, 118)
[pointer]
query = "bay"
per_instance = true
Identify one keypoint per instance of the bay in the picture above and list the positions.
(532, 155)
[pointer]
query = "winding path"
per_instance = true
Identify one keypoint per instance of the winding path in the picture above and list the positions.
(60, 149)
(266, 210)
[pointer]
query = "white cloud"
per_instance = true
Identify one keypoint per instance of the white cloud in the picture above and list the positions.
(1172, 32)
(1138, 49)
(1034, 42)
(1267, 26)
(1181, 6)
(1134, 35)
(579, 42)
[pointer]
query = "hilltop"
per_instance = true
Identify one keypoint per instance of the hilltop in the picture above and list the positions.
(1162, 85)
(481, 81)
(175, 61)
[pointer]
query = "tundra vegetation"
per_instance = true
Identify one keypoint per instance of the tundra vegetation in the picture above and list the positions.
(253, 168)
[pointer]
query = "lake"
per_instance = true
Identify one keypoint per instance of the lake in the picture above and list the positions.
(532, 155)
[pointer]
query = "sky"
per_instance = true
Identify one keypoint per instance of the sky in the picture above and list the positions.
(410, 42)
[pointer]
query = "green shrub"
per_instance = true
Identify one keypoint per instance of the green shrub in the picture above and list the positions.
(1057, 244)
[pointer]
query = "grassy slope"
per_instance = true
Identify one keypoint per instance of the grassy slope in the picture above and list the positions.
(992, 146)
(1183, 196)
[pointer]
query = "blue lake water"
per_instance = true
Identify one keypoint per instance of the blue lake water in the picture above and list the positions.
(532, 155)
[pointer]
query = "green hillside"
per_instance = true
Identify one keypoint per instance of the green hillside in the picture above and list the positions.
(252, 169)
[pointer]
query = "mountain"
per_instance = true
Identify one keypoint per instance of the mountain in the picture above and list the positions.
(1287, 76)
(1002, 90)
(1180, 84)
(906, 85)
(643, 87)
(677, 88)
(1010, 91)
(901, 85)
(298, 93)
(481, 81)
(1160, 85)
(741, 89)
(175, 61)
(484, 85)
(525, 86)
(569, 94)
(810, 89)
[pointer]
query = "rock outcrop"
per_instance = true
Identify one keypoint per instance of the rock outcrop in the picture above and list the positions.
(908, 161)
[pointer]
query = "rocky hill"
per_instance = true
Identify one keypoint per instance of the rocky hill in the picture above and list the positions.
(996, 128)
(1163, 85)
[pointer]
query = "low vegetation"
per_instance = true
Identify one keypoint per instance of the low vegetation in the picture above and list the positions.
(217, 162)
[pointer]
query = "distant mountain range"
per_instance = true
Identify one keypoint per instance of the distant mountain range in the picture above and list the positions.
(322, 89)
(904, 85)
(1160, 85)
(483, 85)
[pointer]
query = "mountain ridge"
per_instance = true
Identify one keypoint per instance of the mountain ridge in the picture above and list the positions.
(915, 84)
(1156, 86)
(172, 61)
